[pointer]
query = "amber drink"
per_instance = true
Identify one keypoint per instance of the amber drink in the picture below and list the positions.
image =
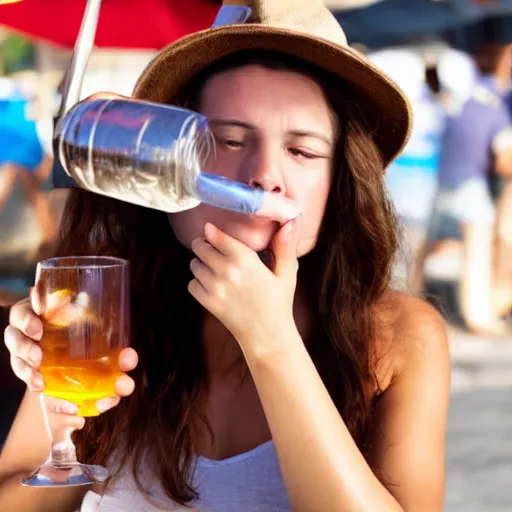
(82, 371)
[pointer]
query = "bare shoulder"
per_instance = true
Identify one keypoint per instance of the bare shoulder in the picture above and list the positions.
(408, 431)
(417, 321)
(414, 333)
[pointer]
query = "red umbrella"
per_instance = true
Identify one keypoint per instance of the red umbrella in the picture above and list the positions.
(122, 23)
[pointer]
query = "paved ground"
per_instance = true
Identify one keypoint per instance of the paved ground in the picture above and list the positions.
(478, 362)
(479, 451)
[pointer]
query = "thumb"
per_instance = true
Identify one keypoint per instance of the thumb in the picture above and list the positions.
(284, 246)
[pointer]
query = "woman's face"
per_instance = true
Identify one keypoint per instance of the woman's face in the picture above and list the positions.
(273, 130)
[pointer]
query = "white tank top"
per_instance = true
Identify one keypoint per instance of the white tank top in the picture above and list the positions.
(249, 482)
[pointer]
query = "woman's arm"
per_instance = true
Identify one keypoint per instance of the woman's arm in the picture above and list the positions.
(320, 463)
(26, 448)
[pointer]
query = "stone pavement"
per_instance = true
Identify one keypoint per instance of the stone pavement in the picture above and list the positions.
(479, 441)
(479, 362)
(479, 451)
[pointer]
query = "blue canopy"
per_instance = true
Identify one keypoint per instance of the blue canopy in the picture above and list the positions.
(392, 21)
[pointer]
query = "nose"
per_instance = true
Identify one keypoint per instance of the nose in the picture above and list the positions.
(267, 184)
(265, 172)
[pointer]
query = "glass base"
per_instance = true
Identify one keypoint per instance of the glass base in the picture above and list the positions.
(55, 475)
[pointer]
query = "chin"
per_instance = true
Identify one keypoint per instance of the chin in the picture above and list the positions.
(255, 233)
(256, 238)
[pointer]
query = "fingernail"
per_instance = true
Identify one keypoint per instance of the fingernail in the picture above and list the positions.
(37, 382)
(295, 226)
(66, 409)
(209, 230)
(106, 403)
(70, 409)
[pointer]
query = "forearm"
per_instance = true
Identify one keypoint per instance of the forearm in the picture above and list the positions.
(321, 465)
(25, 449)
(13, 496)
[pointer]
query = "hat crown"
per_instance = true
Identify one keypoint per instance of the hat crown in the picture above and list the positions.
(306, 16)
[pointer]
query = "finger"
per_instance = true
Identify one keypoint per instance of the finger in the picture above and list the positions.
(23, 318)
(60, 421)
(198, 291)
(124, 385)
(224, 243)
(58, 406)
(128, 359)
(202, 273)
(20, 368)
(105, 404)
(37, 298)
(207, 253)
(25, 348)
(284, 246)
(105, 95)
(32, 378)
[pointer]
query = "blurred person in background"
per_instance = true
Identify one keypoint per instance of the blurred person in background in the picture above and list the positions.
(24, 156)
(412, 178)
(452, 79)
(457, 76)
(502, 285)
(464, 209)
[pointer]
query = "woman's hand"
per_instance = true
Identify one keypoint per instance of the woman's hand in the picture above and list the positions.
(254, 303)
(21, 338)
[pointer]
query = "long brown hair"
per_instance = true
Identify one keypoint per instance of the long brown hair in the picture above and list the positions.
(345, 275)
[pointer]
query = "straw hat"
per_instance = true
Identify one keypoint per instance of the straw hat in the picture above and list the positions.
(302, 28)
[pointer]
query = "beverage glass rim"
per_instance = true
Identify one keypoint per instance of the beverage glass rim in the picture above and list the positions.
(83, 262)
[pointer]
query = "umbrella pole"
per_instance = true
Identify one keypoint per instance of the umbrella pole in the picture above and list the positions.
(81, 53)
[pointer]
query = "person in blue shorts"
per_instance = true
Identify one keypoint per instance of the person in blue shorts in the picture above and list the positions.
(464, 208)
(22, 156)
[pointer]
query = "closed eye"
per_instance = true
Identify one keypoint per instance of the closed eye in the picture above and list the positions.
(303, 154)
(232, 144)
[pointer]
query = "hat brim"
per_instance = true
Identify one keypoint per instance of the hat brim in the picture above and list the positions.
(385, 106)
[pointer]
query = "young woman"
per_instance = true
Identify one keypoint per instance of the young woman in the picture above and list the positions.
(276, 369)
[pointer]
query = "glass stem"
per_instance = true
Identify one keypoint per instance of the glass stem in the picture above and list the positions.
(63, 452)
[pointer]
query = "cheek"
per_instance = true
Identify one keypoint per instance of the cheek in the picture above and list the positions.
(186, 226)
(224, 164)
